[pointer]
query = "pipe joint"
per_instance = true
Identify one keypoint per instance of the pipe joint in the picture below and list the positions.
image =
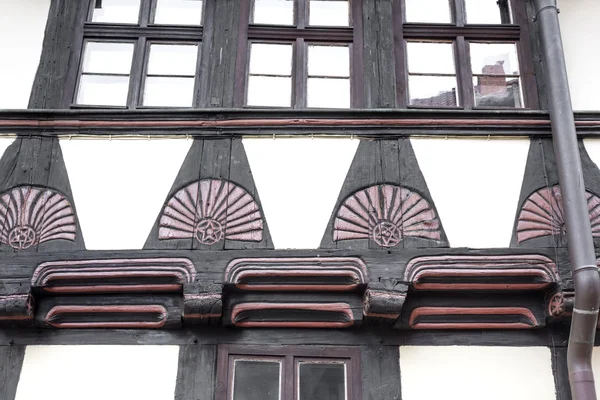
(542, 5)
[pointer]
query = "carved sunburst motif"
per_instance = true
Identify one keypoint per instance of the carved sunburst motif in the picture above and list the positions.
(211, 210)
(31, 215)
(542, 214)
(386, 214)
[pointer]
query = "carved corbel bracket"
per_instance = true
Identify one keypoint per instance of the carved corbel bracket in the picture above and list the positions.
(383, 301)
(202, 304)
(16, 309)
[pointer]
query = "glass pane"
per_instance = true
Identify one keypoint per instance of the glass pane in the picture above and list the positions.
(102, 90)
(433, 91)
(328, 61)
(256, 380)
(494, 58)
(270, 59)
(178, 12)
(487, 11)
(435, 11)
(172, 59)
(497, 91)
(107, 58)
(275, 12)
(430, 58)
(328, 93)
(328, 13)
(269, 91)
(322, 381)
(117, 11)
(169, 92)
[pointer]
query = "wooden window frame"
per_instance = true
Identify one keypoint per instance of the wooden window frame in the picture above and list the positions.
(300, 35)
(141, 35)
(289, 356)
(460, 34)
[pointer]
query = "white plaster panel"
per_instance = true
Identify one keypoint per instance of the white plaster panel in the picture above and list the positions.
(475, 185)
(22, 25)
(596, 367)
(120, 186)
(475, 373)
(4, 143)
(592, 147)
(580, 32)
(98, 373)
(298, 181)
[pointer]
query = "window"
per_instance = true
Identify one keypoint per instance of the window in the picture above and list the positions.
(464, 54)
(300, 53)
(140, 53)
(286, 373)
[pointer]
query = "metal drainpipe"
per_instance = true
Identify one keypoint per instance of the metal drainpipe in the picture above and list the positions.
(586, 279)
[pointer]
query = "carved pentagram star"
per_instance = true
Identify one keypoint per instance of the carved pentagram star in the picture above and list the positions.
(209, 231)
(22, 237)
(386, 234)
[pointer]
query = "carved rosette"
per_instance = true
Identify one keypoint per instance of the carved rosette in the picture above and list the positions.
(212, 210)
(386, 214)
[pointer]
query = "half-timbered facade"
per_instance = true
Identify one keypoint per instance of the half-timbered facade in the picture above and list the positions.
(287, 199)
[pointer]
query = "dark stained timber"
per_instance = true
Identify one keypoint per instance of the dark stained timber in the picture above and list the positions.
(11, 362)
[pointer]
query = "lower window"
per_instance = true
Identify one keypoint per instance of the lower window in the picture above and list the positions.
(286, 373)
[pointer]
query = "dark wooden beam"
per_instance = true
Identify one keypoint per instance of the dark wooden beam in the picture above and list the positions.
(196, 372)
(11, 362)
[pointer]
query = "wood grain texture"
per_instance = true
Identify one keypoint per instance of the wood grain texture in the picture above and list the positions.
(541, 172)
(196, 373)
(222, 159)
(11, 362)
(378, 51)
(380, 373)
(56, 75)
(39, 162)
(379, 162)
(561, 373)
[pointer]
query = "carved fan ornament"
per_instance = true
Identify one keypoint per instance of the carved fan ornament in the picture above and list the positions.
(542, 214)
(31, 215)
(211, 210)
(386, 214)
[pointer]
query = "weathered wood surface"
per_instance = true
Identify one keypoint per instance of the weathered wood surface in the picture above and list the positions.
(380, 373)
(196, 373)
(390, 162)
(561, 373)
(38, 162)
(11, 362)
(56, 75)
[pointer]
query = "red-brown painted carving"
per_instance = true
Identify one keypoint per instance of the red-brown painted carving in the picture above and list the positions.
(297, 274)
(114, 275)
(454, 318)
(31, 215)
(386, 214)
(107, 316)
(316, 315)
(542, 214)
(506, 272)
(211, 210)
(200, 308)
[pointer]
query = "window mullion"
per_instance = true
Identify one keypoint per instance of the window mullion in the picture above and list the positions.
(464, 75)
(289, 378)
(147, 7)
(137, 73)
(301, 14)
(300, 74)
(460, 14)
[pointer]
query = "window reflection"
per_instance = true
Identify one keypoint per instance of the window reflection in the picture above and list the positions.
(328, 84)
(117, 11)
(322, 381)
(256, 380)
(431, 11)
(488, 11)
(270, 77)
(328, 12)
(178, 12)
(274, 12)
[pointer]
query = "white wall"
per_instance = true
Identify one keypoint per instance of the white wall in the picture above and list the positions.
(22, 25)
(475, 185)
(299, 181)
(475, 373)
(119, 186)
(98, 373)
(580, 32)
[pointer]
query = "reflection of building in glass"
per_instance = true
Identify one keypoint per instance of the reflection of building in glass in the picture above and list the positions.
(493, 89)
(442, 99)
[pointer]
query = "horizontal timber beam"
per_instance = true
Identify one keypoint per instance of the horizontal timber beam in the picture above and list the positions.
(381, 123)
